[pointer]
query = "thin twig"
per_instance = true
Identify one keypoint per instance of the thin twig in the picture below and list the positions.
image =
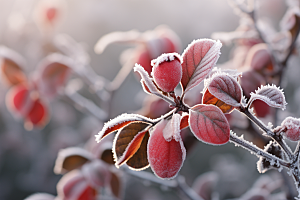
(254, 149)
(177, 184)
(269, 132)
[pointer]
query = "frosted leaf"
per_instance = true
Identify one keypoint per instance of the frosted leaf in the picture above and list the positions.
(165, 57)
(116, 37)
(128, 141)
(226, 89)
(120, 122)
(264, 164)
(198, 60)
(209, 124)
(71, 158)
(271, 95)
(146, 81)
(172, 129)
(291, 128)
(165, 158)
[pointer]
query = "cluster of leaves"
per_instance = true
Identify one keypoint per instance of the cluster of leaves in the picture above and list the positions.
(29, 95)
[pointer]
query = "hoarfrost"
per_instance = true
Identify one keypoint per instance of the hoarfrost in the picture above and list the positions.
(125, 119)
(271, 95)
(165, 57)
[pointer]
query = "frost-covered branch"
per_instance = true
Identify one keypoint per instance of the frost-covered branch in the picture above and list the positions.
(239, 141)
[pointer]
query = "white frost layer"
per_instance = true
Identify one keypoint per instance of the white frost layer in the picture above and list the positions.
(271, 95)
(120, 119)
(172, 129)
(165, 57)
(291, 123)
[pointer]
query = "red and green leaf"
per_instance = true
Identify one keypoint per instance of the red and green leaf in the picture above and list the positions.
(209, 124)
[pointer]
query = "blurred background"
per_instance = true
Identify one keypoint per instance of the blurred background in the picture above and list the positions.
(27, 158)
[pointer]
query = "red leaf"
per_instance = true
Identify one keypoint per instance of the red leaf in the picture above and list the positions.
(38, 115)
(119, 122)
(198, 60)
(209, 124)
(73, 185)
(18, 100)
(226, 88)
(165, 158)
(271, 95)
(184, 122)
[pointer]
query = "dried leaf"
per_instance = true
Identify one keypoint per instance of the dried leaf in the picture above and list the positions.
(271, 95)
(139, 160)
(263, 164)
(107, 156)
(208, 98)
(11, 72)
(71, 158)
(128, 141)
(165, 158)
(115, 185)
(226, 89)
(119, 122)
(198, 60)
(209, 124)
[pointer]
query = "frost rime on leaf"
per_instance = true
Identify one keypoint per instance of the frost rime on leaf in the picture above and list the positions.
(198, 60)
(226, 88)
(264, 164)
(120, 122)
(271, 95)
(172, 129)
(165, 158)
